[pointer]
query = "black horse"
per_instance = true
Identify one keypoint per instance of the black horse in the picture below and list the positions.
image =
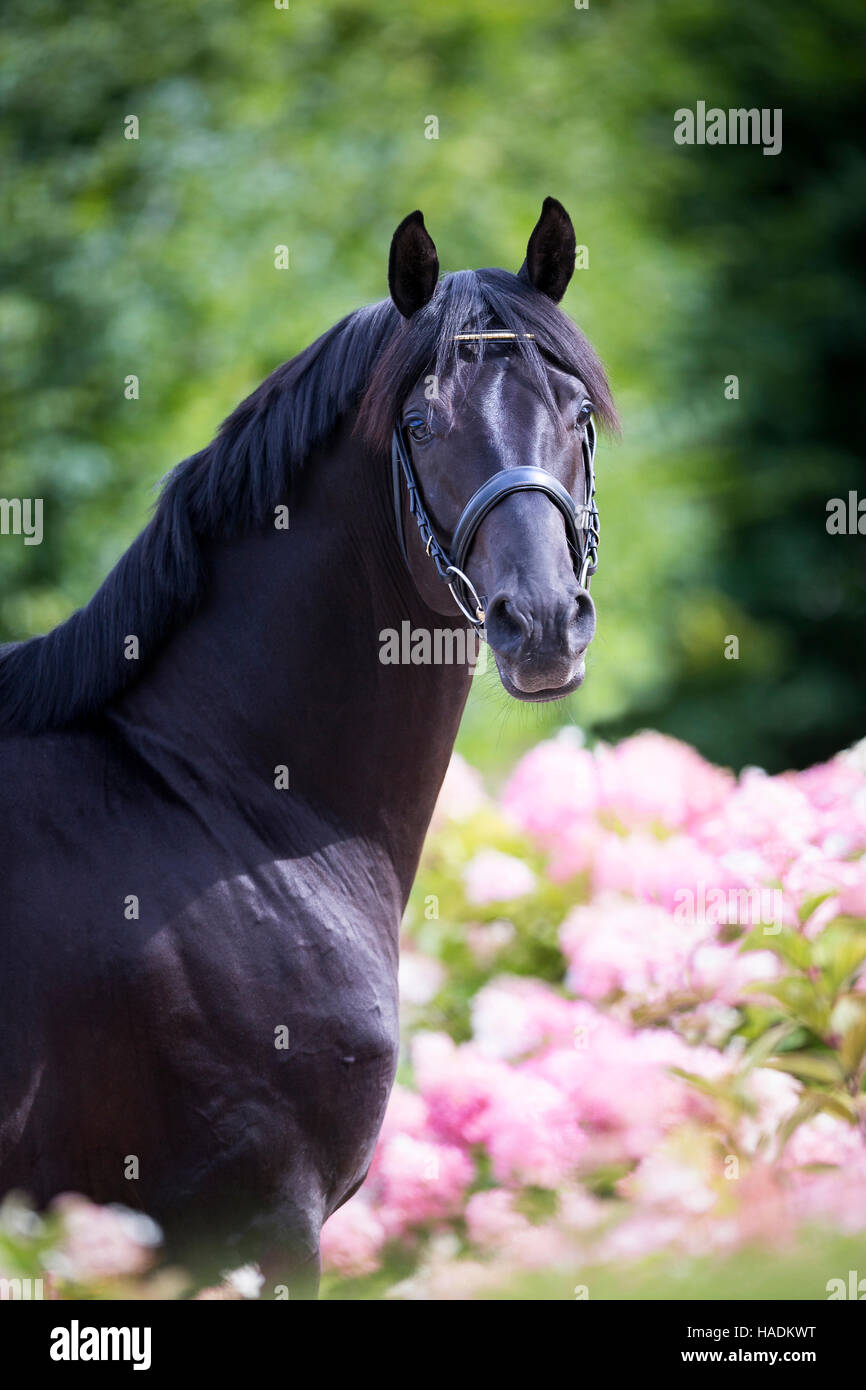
(215, 792)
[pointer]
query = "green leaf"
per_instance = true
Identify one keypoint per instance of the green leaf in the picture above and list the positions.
(793, 948)
(770, 1042)
(840, 954)
(799, 998)
(840, 1103)
(810, 1105)
(849, 1021)
(718, 1090)
(807, 1066)
(813, 902)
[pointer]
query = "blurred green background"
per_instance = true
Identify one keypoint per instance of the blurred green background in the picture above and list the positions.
(306, 126)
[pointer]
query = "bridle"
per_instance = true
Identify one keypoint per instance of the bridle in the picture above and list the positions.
(581, 520)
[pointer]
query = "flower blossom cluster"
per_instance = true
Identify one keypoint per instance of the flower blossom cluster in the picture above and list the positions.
(624, 1088)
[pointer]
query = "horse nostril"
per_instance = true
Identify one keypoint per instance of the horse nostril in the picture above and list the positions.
(583, 619)
(510, 626)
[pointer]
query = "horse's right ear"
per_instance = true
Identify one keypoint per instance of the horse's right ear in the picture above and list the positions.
(413, 266)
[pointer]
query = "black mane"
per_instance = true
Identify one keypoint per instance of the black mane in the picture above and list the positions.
(371, 359)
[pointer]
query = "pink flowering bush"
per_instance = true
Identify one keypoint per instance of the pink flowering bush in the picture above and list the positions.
(634, 1018)
(645, 1032)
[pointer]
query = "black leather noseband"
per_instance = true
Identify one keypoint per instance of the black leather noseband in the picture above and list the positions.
(581, 520)
(501, 485)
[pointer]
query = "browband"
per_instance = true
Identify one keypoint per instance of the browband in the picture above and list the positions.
(473, 337)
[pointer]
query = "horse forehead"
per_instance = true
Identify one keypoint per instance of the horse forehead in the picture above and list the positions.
(503, 375)
(502, 394)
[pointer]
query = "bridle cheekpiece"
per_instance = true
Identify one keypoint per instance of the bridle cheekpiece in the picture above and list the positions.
(581, 520)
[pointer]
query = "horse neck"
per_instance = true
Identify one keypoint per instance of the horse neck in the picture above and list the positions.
(280, 667)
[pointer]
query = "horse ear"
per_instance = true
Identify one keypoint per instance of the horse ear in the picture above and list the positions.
(549, 263)
(413, 266)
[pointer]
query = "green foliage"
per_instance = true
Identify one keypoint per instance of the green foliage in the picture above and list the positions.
(799, 1271)
(820, 1037)
(305, 127)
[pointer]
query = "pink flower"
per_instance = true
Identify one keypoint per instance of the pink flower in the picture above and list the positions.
(827, 1140)
(352, 1240)
(420, 977)
(406, 1114)
(542, 1247)
(617, 944)
(776, 1096)
(652, 779)
(524, 1120)
(836, 1197)
(487, 939)
(530, 1131)
(419, 1181)
(764, 1213)
(668, 871)
(493, 877)
(104, 1242)
(837, 791)
(553, 790)
(551, 1089)
(461, 795)
(456, 1084)
(852, 898)
(491, 1220)
(770, 815)
(661, 1179)
(722, 972)
(495, 1226)
(512, 1015)
(813, 874)
(618, 1083)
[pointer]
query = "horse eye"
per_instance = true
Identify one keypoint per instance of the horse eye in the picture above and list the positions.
(584, 413)
(418, 429)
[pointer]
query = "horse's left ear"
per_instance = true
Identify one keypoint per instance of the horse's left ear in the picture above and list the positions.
(413, 266)
(549, 263)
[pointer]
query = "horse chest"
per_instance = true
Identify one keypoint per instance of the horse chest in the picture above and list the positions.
(290, 964)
